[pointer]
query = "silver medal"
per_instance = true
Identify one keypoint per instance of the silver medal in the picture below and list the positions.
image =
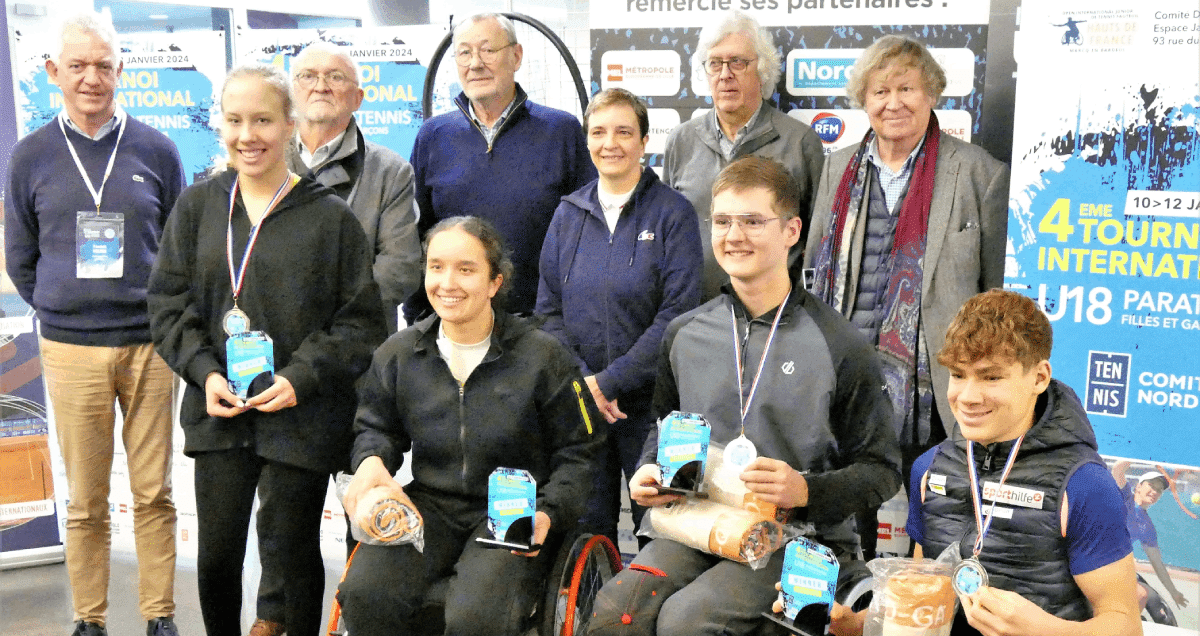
(740, 452)
(235, 321)
(969, 576)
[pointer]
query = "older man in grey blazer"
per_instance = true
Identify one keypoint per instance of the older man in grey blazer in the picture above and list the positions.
(906, 227)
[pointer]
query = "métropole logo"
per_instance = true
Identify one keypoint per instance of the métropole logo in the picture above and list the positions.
(616, 72)
(829, 127)
(641, 72)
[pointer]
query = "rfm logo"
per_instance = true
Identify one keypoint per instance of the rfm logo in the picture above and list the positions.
(829, 127)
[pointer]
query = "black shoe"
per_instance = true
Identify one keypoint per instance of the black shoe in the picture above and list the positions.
(84, 628)
(161, 627)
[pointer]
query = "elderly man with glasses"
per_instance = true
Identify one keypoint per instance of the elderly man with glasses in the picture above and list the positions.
(376, 182)
(742, 66)
(501, 157)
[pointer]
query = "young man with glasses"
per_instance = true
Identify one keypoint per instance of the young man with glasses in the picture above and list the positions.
(375, 181)
(742, 66)
(809, 387)
(502, 157)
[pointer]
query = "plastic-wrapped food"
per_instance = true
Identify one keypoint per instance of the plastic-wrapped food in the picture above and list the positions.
(384, 516)
(911, 598)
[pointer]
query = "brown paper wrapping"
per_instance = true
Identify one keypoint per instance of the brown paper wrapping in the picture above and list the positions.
(919, 604)
(386, 514)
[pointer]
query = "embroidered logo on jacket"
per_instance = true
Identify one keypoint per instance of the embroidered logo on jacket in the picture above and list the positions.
(138, 178)
(646, 235)
(789, 367)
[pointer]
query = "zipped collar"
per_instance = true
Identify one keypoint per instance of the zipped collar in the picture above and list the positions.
(518, 110)
(506, 329)
(305, 190)
(587, 199)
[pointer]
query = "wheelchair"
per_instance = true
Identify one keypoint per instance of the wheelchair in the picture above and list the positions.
(581, 566)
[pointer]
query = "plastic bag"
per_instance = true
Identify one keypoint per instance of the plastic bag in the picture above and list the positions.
(732, 523)
(383, 516)
(912, 597)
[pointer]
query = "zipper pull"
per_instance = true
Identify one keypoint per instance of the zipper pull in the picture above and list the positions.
(587, 421)
(987, 459)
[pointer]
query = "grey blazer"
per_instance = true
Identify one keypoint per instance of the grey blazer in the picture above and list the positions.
(964, 251)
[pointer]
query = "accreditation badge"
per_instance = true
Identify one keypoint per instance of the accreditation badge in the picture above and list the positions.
(99, 244)
(250, 363)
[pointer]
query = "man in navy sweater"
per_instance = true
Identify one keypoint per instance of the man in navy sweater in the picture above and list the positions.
(89, 193)
(501, 157)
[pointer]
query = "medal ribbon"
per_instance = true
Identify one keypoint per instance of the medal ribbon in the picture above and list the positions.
(96, 194)
(983, 525)
(237, 277)
(744, 403)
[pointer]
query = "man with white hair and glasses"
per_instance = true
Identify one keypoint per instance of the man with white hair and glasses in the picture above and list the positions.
(375, 181)
(742, 66)
(501, 157)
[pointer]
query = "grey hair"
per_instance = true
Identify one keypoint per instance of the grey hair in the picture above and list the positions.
(321, 46)
(506, 25)
(733, 22)
(903, 51)
(92, 23)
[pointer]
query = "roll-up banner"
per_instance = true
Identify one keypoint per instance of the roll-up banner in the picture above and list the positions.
(647, 47)
(169, 82)
(1105, 233)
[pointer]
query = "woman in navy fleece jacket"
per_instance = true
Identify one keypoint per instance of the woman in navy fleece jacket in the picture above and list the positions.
(621, 259)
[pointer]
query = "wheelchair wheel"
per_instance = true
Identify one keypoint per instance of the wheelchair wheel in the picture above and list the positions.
(582, 570)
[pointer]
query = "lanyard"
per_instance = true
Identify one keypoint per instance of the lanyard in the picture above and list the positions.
(237, 277)
(980, 523)
(744, 403)
(96, 194)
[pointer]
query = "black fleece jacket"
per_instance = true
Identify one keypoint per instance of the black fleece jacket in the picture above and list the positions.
(308, 285)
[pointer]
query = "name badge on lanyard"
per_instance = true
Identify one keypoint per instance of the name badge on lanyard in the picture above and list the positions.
(100, 244)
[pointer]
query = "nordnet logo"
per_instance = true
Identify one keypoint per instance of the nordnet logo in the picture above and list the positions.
(820, 72)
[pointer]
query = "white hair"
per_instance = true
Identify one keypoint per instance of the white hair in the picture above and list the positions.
(506, 25)
(92, 23)
(321, 46)
(734, 22)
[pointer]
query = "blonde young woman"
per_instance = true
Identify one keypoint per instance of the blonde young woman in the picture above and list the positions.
(259, 249)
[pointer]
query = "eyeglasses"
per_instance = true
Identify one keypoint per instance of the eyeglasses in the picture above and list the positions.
(751, 225)
(736, 64)
(487, 55)
(334, 79)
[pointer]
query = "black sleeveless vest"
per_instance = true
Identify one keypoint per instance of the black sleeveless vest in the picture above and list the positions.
(1026, 553)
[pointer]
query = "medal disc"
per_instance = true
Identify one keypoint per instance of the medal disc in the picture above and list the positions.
(235, 321)
(740, 452)
(968, 577)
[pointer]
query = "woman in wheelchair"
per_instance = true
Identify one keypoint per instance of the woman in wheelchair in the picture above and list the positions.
(467, 390)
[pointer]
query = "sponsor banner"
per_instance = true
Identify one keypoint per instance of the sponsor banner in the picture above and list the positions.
(618, 14)
(841, 128)
(392, 65)
(1104, 232)
(662, 122)
(812, 80)
(168, 82)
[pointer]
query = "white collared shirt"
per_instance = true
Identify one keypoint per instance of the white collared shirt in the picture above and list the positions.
(323, 153)
(109, 126)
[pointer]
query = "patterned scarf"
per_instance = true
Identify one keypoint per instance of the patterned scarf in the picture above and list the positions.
(901, 346)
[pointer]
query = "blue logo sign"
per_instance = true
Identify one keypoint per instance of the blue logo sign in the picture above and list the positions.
(820, 72)
(829, 127)
(1107, 383)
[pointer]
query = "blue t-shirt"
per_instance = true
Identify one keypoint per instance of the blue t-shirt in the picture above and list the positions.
(1095, 514)
(1141, 528)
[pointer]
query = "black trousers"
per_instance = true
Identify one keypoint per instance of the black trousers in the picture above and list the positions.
(490, 591)
(289, 530)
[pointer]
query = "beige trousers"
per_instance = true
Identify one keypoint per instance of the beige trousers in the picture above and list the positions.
(83, 384)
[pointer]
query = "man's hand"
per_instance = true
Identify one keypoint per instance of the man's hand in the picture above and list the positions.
(370, 474)
(541, 527)
(643, 488)
(777, 483)
(220, 401)
(608, 408)
(276, 397)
